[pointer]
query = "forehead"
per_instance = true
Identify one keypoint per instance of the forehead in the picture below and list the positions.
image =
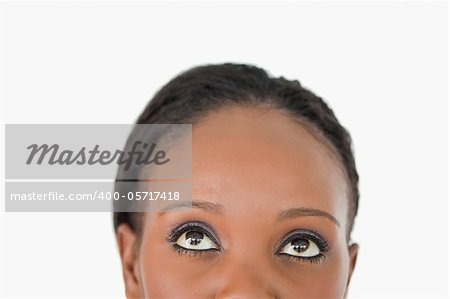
(247, 158)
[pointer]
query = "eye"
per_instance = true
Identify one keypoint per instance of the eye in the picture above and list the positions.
(193, 238)
(196, 240)
(304, 245)
(301, 247)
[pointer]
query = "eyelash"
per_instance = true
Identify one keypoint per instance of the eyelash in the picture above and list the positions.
(313, 260)
(193, 253)
(179, 230)
(204, 228)
(309, 235)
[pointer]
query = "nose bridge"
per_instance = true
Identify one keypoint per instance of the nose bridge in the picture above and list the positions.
(246, 274)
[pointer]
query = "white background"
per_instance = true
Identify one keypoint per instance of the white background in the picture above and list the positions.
(382, 67)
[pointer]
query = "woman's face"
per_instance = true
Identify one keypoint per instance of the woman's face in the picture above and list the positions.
(269, 217)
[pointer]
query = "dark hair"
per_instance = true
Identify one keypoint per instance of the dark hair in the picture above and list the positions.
(194, 93)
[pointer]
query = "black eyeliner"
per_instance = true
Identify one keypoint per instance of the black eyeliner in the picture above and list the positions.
(199, 226)
(309, 235)
(313, 260)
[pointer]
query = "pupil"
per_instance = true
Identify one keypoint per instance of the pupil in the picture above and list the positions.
(300, 245)
(194, 238)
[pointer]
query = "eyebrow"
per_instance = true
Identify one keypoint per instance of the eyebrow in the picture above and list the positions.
(305, 212)
(196, 204)
(220, 210)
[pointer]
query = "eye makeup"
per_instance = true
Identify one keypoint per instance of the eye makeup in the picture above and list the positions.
(194, 238)
(302, 240)
(199, 232)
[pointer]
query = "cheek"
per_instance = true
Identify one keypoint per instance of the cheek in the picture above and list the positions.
(326, 280)
(329, 282)
(167, 274)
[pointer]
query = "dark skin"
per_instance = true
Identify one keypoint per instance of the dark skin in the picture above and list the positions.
(267, 192)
